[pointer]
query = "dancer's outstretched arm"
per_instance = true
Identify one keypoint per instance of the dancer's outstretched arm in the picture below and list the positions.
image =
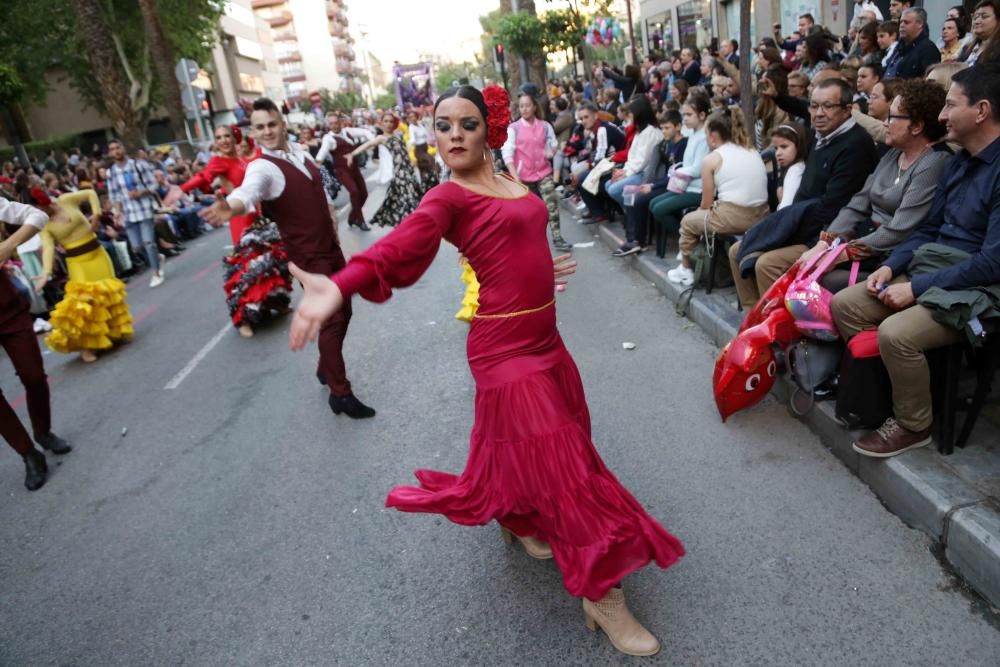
(321, 298)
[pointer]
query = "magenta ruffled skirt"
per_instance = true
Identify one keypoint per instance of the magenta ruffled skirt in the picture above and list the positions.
(533, 468)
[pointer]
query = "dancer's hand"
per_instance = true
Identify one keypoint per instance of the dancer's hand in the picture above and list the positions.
(564, 266)
(321, 299)
(217, 213)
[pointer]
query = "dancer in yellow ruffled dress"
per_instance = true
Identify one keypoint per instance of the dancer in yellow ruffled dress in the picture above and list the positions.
(93, 314)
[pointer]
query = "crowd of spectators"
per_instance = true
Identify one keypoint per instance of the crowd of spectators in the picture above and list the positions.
(879, 141)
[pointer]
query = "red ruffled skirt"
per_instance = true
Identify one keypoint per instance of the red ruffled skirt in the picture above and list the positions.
(533, 467)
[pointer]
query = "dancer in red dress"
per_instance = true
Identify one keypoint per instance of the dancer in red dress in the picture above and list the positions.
(532, 466)
(228, 166)
(257, 282)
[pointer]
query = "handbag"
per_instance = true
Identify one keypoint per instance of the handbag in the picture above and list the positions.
(678, 181)
(864, 390)
(809, 302)
(592, 183)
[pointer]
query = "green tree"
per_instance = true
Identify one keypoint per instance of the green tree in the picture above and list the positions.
(11, 90)
(521, 33)
(448, 72)
(112, 35)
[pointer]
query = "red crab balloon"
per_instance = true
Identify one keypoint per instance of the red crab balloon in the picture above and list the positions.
(773, 299)
(745, 370)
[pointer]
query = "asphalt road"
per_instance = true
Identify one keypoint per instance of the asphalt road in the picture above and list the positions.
(238, 522)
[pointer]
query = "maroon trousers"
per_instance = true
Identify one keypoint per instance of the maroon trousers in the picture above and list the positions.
(351, 178)
(18, 339)
(331, 351)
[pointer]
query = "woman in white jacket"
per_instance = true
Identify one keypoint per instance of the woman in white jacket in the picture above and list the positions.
(647, 136)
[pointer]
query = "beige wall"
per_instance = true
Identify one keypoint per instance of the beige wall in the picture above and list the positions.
(63, 112)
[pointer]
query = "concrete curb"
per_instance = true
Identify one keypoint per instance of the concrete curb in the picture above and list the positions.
(919, 486)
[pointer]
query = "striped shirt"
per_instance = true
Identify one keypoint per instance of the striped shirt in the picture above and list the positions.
(135, 175)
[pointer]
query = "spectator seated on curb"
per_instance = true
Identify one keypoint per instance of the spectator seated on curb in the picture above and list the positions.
(914, 52)
(640, 152)
(898, 194)
(605, 139)
(598, 203)
(668, 152)
(921, 297)
(666, 209)
(734, 188)
(840, 158)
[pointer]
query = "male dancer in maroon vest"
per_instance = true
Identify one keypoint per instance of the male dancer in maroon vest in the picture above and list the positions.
(338, 145)
(286, 182)
(18, 338)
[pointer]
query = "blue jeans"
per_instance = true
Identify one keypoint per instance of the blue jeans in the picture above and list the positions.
(637, 214)
(616, 189)
(141, 234)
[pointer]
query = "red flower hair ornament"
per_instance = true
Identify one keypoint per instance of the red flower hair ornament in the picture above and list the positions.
(237, 133)
(498, 115)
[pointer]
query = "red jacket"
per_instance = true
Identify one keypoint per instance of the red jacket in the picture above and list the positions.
(622, 156)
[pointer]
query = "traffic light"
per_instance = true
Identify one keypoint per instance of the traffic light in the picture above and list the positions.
(498, 52)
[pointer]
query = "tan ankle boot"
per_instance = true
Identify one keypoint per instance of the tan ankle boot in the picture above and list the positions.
(626, 634)
(533, 546)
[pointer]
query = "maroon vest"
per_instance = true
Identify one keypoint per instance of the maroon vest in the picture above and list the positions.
(341, 149)
(303, 218)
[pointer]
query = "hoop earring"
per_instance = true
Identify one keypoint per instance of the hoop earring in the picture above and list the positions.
(486, 154)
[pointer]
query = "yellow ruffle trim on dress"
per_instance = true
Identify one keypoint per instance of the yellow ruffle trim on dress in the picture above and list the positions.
(470, 302)
(91, 316)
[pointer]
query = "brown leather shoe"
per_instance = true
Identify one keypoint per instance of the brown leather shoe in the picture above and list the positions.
(891, 439)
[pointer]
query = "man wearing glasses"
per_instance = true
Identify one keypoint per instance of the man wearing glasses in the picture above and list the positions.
(841, 156)
(924, 295)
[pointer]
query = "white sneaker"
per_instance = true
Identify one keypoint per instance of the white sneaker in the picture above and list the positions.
(163, 264)
(681, 276)
(156, 280)
(680, 255)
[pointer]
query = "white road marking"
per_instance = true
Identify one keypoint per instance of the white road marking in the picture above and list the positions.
(202, 353)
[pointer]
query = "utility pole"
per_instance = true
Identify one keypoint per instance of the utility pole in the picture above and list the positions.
(363, 30)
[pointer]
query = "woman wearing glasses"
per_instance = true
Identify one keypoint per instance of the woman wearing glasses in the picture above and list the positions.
(898, 194)
(984, 28)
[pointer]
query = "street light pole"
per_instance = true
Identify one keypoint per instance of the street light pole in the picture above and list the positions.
(363, 31)
(631, 32)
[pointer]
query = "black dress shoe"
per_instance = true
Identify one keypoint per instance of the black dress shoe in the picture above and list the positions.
(35, 470)
(351, 406)
(363, 226)
(319, 376)
(53, 443)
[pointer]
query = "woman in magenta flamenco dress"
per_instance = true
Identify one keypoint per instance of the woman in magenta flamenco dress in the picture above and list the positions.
(532, 466)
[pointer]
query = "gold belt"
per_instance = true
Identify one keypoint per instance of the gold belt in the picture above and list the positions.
(516, 313)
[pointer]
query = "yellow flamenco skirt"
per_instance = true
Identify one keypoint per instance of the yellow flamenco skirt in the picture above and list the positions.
(93, 314)
(470, 302)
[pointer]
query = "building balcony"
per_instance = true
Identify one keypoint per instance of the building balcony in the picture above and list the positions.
(261, 4)
(337, 30)
(285, 36)
(290, 58)
(292, 78)
(280, 19)
(344, 68)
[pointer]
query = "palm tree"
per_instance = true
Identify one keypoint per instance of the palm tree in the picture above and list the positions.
(118, 101)
(164, 61)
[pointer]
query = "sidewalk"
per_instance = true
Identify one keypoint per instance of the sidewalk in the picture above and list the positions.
(954, 499)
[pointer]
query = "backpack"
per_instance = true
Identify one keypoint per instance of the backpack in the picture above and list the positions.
(864, 391)
(811, 363)
(701, 264)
